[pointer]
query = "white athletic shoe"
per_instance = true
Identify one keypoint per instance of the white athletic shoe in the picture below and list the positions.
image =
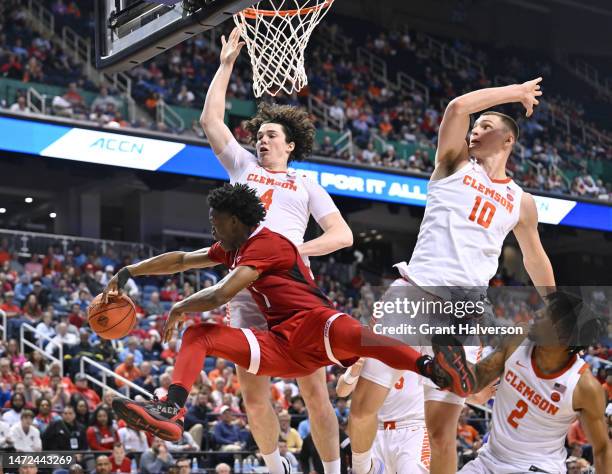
(286, 465)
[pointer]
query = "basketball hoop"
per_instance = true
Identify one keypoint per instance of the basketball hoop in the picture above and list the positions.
(276, 33)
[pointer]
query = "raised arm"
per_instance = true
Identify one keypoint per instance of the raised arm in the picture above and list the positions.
(164, 264)
(218, 134)
(536, 261)
(452, 146)
(210, 298)
(590, 401)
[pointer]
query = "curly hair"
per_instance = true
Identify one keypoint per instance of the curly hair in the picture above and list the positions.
(238, 200)
(576, 322)
(296, 124)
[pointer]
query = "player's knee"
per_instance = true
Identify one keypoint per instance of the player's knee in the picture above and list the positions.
(442, 437)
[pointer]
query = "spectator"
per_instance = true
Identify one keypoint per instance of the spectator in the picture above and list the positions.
(44, 416)
(607, 385)
(26, 438)
(132, 440)
(154, 306)
(156, 459)
(222, 468)
(578, 442)
(20, 106)
(81, 387)
(101, 436)
(119, 461)
(196, 418)
(103, 100)
(342, 411)
(185, 97)
(288, 455)
(103, 465)
(288, 434)
(127, 370)
(226, 434)
(146, 379)
(132, 348)
(63, 338)
(185, 444)
(16, 408)
(65, 434)
(45, 329)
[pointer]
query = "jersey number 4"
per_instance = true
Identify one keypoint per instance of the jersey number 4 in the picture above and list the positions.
(519, 412)
(487, 211)
(266, 198)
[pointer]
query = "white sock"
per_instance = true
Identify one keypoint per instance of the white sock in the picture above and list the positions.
(331, 467)
(362, 462)
(274, 463)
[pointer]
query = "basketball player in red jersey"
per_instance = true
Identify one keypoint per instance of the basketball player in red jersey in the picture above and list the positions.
(472, 205)
(280, 134)
(544, 387)
(305, 331)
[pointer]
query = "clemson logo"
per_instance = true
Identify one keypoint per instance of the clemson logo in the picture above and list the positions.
(555, 396)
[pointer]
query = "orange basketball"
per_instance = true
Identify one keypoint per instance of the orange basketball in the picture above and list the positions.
(113, 320)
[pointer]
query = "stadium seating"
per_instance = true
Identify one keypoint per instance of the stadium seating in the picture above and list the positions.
(561, 151)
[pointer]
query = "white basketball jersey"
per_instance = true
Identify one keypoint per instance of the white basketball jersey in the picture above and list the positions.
(404, 403)
(532, 413)
(467, 217)
(289, 196)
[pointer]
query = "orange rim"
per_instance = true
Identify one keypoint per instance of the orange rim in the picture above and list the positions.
(253, 13)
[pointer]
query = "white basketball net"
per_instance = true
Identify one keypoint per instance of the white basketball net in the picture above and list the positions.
(276, 33)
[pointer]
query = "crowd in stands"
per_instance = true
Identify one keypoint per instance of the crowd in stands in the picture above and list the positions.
(391, 127)
(53, 403)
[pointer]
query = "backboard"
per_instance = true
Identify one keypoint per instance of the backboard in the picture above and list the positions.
(129, 32)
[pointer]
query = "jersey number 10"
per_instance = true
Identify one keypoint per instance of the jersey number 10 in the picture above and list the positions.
(487, 211)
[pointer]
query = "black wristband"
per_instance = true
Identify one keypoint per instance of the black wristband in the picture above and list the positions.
(122, 277)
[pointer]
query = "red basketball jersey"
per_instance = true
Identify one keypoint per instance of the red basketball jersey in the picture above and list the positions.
(285, 286)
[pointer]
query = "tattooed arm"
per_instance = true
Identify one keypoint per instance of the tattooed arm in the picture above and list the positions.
(491, 367)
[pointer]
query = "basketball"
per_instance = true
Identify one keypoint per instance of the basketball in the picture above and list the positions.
(114, 319)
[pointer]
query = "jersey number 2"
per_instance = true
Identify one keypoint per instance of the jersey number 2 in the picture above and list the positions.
(266, 198)
(519, 412)
(487, 211)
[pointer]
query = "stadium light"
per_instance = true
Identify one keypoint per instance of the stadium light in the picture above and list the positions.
(29, 200)
(2, 210)
(52, 215)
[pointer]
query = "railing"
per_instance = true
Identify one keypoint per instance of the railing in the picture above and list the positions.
(26, 243)
(24, 342)
(377, 65)
(344, 143)
(404, 81)
(42, 14)
(321, 110)
(591, 75)
(166, 115)
(107, 372)
(448, 56)
(329, 34)
(4, 326)
(79, 48)
(36, 101)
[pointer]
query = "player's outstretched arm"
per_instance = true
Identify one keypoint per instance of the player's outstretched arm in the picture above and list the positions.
(164, 264)
(346, 382)
(452, 146)
(489, 369)
(590, 401)
(536, 261)
(210, 298)
(218, 134)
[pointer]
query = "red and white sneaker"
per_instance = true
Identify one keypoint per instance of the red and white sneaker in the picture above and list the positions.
(159, 417)
(449, 369)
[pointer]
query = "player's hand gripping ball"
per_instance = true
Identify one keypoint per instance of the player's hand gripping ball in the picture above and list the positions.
(112, 320)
